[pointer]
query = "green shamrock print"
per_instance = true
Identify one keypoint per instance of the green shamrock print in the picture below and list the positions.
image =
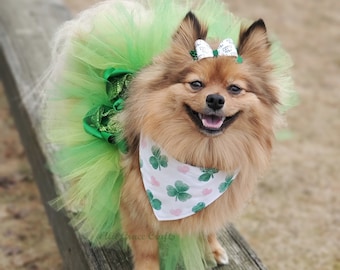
(223, 186)
(198, 207)
(207, 174)
(155, 203)
(179, 191)
(157, 160)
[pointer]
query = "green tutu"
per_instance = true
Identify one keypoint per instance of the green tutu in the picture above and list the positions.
(107, 38)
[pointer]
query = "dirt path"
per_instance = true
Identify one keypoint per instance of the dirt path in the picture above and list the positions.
(293, 222)
(26, 239)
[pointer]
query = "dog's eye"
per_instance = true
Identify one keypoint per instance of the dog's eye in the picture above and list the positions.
(234, 89)
(196, 85)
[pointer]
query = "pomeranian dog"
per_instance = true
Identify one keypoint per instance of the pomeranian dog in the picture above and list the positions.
(196, 109)
(212, 113)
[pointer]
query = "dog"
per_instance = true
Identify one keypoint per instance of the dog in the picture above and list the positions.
(201, 107)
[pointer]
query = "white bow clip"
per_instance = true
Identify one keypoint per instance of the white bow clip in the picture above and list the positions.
(226, 48)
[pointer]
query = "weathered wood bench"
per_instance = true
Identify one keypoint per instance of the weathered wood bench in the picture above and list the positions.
(26, 28)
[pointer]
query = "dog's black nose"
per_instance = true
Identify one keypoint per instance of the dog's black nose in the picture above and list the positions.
(215, 101)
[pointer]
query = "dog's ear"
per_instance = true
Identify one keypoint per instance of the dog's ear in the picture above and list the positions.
(254, 45)
(189, 31)
(254, 48)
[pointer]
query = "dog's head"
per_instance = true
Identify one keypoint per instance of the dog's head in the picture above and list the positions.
(206, 112)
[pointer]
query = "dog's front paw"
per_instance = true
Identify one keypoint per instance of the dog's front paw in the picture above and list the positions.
(220, 255)
(218, 251)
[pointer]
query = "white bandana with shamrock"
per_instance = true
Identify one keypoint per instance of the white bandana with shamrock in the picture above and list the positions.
(177, 190)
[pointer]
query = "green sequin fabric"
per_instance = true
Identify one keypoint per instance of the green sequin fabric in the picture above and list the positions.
(102, 121)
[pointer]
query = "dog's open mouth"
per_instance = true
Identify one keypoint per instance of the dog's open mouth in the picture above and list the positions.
(211, 123)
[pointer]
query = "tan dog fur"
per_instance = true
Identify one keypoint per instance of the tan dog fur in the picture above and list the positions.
(156, 106)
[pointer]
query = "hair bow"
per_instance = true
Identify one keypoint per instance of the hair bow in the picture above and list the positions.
(226, 48)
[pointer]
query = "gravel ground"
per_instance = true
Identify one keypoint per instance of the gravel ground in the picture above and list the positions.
(293, 221)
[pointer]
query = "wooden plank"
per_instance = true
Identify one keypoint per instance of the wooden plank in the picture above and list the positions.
(241, 256)
(26, 29)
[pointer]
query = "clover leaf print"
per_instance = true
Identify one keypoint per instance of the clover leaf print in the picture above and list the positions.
(207, 174)
(224, 186)
(157, 160)
(179, 191)
(198, 207)
(155, 203)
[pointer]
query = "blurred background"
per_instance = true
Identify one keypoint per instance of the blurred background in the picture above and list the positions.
(293, 220)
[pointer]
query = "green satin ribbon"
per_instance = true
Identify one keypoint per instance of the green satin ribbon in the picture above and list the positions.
(101, 121)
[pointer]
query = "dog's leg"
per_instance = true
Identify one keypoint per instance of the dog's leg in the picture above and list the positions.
(219, 252)
(136, 213)
(145, 254)
(144, 248)
(141, 239)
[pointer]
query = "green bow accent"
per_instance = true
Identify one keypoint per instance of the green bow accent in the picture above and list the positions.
(101, 121)
(215, 53)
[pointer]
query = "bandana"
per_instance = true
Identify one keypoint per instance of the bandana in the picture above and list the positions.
(177, 190)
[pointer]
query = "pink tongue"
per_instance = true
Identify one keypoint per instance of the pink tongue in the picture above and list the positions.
(212, 121)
